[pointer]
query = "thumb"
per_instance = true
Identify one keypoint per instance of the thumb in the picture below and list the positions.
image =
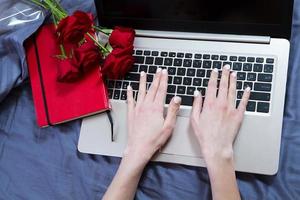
(171, 117)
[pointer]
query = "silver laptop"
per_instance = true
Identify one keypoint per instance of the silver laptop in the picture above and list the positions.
(190, 38)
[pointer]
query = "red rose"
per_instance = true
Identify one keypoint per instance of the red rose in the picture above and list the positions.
(121, 37)
(67, 71)
(73, 28)
(87, 56)
(118, 63)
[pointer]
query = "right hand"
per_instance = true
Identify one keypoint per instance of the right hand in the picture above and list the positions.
(217, 122)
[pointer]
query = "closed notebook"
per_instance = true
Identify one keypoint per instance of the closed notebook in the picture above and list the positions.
(58, 102)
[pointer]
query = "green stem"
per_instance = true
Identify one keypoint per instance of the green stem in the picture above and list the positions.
(39, 3)
(97, 43)
(100, 30)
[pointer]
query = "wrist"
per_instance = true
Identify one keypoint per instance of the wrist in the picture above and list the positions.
(215, 158)
(136, 157)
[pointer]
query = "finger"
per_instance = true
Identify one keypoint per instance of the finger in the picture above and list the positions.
(212, 86)
(223, 89)
(130, 106)
(162, 89)
(243, 104)
(154, 86)
(170, 120)
(197, 105)
(142, 88)
(232, 90)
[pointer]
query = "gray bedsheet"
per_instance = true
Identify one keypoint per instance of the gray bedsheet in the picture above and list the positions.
(45, 164)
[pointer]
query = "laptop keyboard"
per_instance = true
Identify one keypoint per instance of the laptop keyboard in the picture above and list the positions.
(189, 71)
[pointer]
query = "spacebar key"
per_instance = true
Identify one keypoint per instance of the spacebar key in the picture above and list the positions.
(187, 100)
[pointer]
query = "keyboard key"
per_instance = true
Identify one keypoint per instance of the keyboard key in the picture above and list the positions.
(200, 73)
(238, 103)
(237, 66)
(152, 69)
(172, 54)
(139, 59)
(180, 55)
(181, 89)
(242, 59)
(190, 90)
(132, 77)
(197, 81)
(257, 67)
(111, 84)
(215, 57)
(143, 68)
(251, 59)
(247, 67)
(265, 77)
(251, 77)
(241, 76)
(263, 107)
(170, 79)
(177, 80)
(187, 81)
(118, 85)
(154, 53)
(258, 96)
(139, 52)
(134, 85)
(227, 63)
(223, 57)
(117, 94)
(187, 100)
(264, 87)
(169, 98)
(178, 62)
(251, 106)
(125, 85)
(164, 54)
(150, 77)
(207, 64)
(248, 84)
(233, 58)
(171, 70)
(198, 56)
(239, 85)
(171, 89)
(149, 60)
(188, 55)
(147, 53)
(217, 64)
(181, 71)
(270, 60)
(205, 82)
(268, 68)
(187, 63)
(260, 60)
(168, 62)
(191, 72)
(206, 56)
(197, 63)
(123, 95)
(159, 61)
(208, 73)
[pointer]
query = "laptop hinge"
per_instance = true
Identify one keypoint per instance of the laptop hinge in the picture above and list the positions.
(205, 36)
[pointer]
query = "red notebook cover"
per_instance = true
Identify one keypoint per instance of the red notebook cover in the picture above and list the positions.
(58, 102)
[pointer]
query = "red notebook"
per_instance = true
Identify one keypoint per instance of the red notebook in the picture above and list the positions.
(57, 102)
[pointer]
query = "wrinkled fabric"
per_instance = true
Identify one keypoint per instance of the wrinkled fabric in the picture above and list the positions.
(45, 164)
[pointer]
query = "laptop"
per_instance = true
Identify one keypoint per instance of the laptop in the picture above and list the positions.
(189, 38)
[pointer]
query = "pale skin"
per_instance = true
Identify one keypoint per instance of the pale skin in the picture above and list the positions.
(215, 122)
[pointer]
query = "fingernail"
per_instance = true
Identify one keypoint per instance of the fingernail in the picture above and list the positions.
(216, 70)
(177, 100)
(129, 87)
(142, 73)
(233, 74)
(248, 89)
(158, 70)
(196, 93)
(164, 71)
(227, 67)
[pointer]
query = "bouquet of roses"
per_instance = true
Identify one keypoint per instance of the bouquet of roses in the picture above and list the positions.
(81, 49)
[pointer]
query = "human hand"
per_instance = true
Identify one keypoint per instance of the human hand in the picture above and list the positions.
(148, 130)
(217, 122)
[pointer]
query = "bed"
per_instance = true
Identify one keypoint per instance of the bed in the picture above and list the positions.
(45, 164)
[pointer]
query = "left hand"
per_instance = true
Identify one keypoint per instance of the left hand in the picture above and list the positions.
(148, 130)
